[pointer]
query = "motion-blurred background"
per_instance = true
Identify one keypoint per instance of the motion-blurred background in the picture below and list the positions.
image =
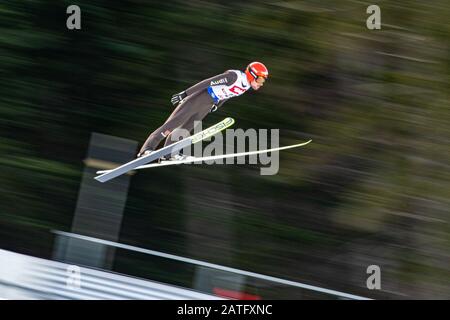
(372, 189)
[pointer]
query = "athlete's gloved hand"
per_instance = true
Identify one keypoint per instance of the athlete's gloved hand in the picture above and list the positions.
(178, 97)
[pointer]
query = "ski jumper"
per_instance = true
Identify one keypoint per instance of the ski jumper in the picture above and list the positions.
(202, 98)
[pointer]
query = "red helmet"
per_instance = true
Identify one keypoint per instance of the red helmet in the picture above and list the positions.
(255, 70)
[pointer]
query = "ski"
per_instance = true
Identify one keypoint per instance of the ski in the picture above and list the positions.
(177, 146)
(224, 156)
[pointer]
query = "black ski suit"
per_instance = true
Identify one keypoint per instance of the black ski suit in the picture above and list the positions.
(197, 104)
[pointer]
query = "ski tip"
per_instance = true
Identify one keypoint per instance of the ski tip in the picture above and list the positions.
(229, 120)
(302, 143)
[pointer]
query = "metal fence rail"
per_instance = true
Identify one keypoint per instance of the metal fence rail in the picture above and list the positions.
(330, 292)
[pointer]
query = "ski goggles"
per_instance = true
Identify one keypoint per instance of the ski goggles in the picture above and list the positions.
(260, 80)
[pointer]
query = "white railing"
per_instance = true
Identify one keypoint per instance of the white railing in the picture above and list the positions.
(26, 277)
(329, 292)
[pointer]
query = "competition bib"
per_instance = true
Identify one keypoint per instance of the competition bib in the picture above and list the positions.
(222, 91)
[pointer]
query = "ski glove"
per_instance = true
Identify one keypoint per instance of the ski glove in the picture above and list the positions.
(178, 97)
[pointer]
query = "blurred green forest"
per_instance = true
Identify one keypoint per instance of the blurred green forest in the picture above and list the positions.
(372, 188)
